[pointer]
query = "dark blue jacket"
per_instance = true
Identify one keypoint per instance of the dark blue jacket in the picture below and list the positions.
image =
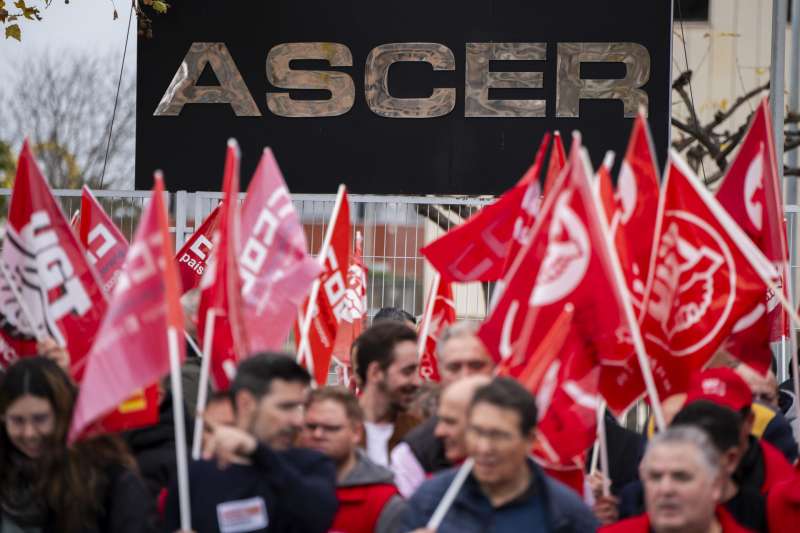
(298, 488)
(473, 512)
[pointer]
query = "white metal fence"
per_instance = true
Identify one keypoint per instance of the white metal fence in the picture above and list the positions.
(394, 229)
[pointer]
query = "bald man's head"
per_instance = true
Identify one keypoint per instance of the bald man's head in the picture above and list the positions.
(452, 413)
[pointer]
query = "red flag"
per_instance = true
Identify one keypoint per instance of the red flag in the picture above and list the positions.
(355, 308)
(439, 313)
(45, 261)
(558, 159)
(192, 256)
(637, 204)
(529, 208)
(131, 350)
(220, 324)
(274, 264)
(477, 249)
(328, 294)
(104, 243)
(706, 274)
(566, 262)
(750, 192)
(106, 248)
(17, 334)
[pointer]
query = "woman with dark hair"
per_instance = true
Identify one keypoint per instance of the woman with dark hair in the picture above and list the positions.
(46, 486)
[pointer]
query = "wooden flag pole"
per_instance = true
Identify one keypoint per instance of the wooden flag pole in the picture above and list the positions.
(202, 389)
(633, 324)
(303, 348)
(180, 428)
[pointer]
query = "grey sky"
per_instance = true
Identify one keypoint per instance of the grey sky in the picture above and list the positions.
(81, 25)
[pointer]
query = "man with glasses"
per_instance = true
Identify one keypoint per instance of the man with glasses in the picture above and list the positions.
(368, 499)
(506, 490)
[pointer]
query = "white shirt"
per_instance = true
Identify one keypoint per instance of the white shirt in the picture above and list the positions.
(378, 436)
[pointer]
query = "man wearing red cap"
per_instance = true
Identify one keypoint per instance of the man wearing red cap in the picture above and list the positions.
(760, 460)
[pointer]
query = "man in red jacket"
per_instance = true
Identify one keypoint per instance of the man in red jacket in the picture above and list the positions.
(783, 504)
(368, 498)
(682, 484)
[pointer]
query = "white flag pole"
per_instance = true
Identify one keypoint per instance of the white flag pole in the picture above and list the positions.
(603, 448)
(622, 291)
(303, 354)
(426, 320)
(192, 343)
(450, 495)
(180, 429)
(202, 389)
(40, 335)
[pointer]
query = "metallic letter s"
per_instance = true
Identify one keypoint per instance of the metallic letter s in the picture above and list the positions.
(279, 74)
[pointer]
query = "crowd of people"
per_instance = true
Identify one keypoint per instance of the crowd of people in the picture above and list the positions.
(281, 456)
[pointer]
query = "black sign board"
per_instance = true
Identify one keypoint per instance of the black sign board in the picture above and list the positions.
(413, 97)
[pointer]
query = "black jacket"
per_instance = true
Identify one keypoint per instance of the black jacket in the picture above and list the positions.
(297, 488)
(625, 452)
(428, 449)
(472, 512)
(127, 507)
(154, 447)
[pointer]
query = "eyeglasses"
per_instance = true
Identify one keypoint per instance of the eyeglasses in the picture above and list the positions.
(493, 436)
(326, 428)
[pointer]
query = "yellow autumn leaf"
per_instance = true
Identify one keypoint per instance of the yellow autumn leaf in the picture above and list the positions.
(159, 6)
(13, 31)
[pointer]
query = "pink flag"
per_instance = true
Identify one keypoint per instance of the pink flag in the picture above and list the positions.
(220, 315)
(104, 243)
(58, 286)
(192, 256)
(274, 264)
(131, 349)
